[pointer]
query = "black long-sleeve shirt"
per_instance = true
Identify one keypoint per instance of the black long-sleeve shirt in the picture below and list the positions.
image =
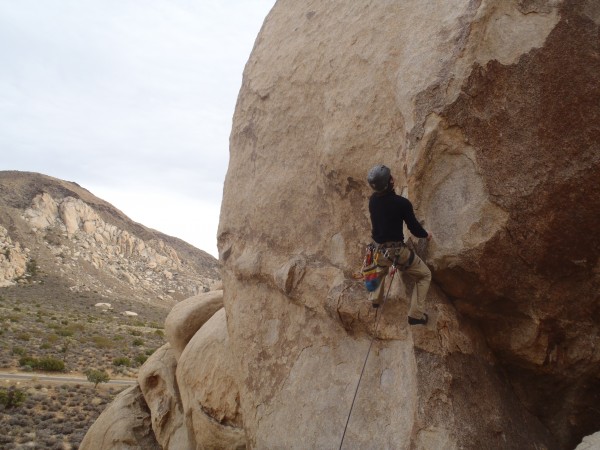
(388, 212)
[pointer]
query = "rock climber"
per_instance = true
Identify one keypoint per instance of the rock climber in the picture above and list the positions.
(388, 212)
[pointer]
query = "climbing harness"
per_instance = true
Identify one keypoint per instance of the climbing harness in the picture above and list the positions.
(392, 272)
(372, 268)
(390, 252)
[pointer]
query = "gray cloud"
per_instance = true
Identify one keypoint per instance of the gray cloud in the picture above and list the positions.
(124, 94)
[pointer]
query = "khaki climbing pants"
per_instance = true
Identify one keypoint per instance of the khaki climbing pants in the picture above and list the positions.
(417, 271)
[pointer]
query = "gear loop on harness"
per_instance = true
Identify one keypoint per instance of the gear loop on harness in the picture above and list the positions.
(391, 251)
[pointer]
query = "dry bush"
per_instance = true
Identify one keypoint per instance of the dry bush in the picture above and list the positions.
(58, 422)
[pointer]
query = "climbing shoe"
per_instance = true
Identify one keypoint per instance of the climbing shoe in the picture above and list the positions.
(413, 321)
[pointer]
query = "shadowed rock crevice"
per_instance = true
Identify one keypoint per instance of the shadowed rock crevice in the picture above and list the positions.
(534, 129)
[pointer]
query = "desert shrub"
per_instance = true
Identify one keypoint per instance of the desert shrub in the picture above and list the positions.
(19, 351)
(64, 322)
(31, 267)
(16, 308)
(102, 342)
(23, 336)
(65, 332)
(160, 333)
(141, 359)
(51, 364)
(122, 361)
(135, 332)
(154, 325)
(150, 351)
(28, 361)
(48, 364)
(137, 342)
(45, 346)
(52, 338)
(139, 323)
(11, 397)
(77, 327)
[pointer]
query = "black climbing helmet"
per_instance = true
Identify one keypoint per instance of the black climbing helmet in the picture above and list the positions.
(379, 177)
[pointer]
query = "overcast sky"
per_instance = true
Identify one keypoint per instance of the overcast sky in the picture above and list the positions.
(131, 99)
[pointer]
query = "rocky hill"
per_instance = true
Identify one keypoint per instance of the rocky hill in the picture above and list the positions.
(81, 243)
(487, 112)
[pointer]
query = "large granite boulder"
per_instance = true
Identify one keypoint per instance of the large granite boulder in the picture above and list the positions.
(187, 316)
(487, 112)
(590, 442)
(158, 384)
(124, 425)
(209, 392)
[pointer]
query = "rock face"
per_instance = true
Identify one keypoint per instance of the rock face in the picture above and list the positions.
(91, 245)
(160, 390)
(209, 392)
(13, 260)
(487, 112)
(125, 424)
(590, 442)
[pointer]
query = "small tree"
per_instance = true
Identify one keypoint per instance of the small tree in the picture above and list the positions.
(97, 376)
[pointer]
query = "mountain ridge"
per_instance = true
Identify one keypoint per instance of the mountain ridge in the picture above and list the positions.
(61, 224)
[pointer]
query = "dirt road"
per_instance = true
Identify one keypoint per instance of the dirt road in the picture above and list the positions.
(56, 378)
